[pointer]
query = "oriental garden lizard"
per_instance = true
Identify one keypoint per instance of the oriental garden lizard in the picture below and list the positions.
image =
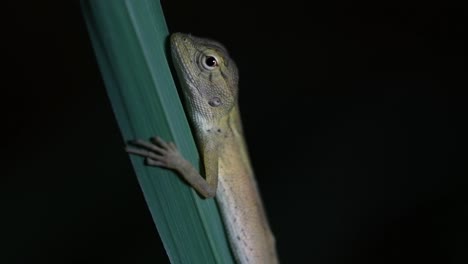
(209, 81)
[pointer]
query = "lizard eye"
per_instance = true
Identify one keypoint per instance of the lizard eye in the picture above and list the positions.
(210, 62)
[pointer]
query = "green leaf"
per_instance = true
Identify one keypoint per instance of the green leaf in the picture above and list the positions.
(129, 39)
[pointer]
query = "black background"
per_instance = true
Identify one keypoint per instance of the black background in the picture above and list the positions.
(353, 115)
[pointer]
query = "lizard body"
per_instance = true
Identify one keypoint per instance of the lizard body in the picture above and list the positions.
(209, 82)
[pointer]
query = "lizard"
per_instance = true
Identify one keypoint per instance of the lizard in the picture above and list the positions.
(209, 83)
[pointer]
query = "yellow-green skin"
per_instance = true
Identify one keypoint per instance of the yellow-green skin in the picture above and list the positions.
(209, 82)
(218, 130)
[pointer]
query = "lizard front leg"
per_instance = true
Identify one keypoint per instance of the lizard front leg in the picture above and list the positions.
(163, 154)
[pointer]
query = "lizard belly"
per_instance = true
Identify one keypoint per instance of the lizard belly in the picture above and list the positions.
(249, 234)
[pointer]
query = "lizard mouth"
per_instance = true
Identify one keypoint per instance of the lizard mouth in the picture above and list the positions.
(182, 58)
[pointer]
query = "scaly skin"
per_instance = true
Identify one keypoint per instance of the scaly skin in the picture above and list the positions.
(210, 86)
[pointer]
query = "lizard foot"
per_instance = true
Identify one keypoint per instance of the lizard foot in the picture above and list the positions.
(157, 152)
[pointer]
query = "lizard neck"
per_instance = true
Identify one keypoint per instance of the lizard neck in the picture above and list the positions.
(225, 138)
(226, 129)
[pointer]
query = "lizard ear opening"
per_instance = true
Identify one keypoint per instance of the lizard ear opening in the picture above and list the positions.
(215, 102)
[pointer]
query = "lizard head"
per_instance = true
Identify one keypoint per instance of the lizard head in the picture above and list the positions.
(208, 77)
